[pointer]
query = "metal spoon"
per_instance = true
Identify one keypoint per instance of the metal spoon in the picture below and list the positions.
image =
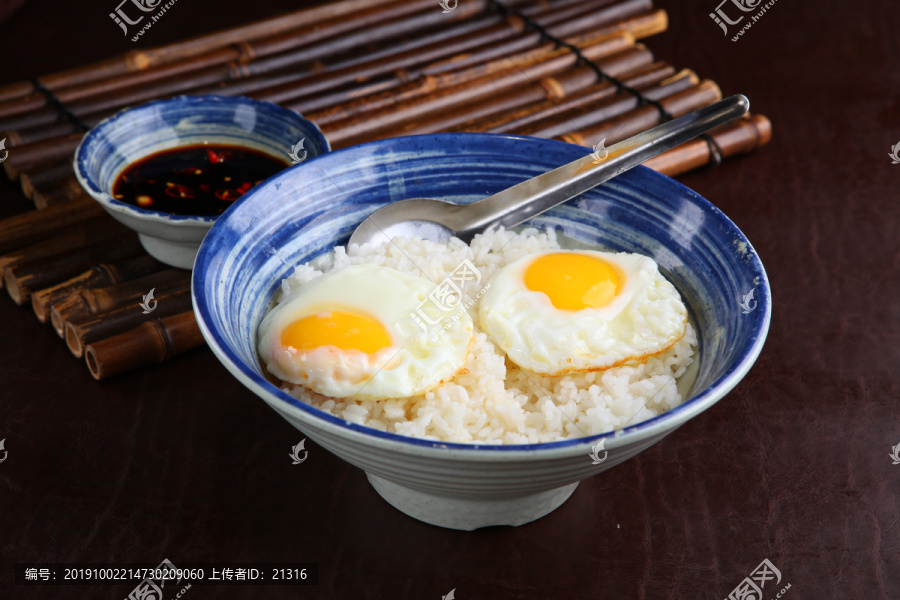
(437, 220)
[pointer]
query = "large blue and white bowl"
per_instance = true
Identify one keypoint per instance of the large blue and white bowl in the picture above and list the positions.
(306, 211)
(135, 133)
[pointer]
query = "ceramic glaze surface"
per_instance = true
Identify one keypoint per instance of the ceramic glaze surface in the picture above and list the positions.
(136, 133)
(303, 212)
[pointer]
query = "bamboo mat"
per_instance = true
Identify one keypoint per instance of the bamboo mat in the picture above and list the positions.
(572, 70)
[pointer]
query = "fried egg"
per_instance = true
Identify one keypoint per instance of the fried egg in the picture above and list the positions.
(561, 311)
(355, 333)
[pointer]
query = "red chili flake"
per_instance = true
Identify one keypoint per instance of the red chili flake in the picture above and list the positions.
(229, 195)
(179, 191)
(217, 157)
(204, 187)
(245, 186)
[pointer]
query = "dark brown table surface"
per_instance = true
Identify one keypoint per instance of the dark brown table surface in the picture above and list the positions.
(179, 461)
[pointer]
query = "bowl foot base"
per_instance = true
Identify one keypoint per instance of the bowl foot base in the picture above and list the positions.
(465, 514)
(175, 254)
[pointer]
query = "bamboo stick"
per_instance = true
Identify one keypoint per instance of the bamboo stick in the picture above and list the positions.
(614, 104)
(102, 275)
(367, 124)
(295, 23)
(15, 127)
(506, 121)
(556, 88)
(36, 225)
(271, 54)
(30, 156)
(152, 342)
(551, 89)
(644, 117)
(738, 137)
(576, 86)
(47, 177)
(479, 46)
(91, 329)
(503, 41)
(442, 75)
(24, 278)
(56, 192)
(503, 35)
(86, 302)
(493, 74)
(77, 236)
(447, 41)
(143, 59)
(44, 124)
(37, 132)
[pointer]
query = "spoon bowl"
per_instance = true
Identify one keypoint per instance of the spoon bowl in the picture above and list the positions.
(415, 217)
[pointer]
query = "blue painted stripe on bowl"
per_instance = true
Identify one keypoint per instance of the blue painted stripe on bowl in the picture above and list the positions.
(303, 212)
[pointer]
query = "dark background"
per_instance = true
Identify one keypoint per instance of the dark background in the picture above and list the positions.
(179, 461)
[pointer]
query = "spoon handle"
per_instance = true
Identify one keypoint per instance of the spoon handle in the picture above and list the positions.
(532, 197)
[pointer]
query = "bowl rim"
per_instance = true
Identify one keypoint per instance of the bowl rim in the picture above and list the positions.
(659, 425)
(111, 204)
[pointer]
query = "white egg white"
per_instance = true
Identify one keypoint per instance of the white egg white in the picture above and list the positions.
(416, 361)
(645, 318)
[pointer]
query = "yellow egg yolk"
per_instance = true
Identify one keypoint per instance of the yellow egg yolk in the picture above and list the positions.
(574, 281)
(345, 330)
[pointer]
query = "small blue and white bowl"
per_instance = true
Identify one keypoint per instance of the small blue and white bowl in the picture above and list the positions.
(136, 133)
(304, 212)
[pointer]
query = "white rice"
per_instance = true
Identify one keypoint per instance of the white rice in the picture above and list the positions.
(497, 402)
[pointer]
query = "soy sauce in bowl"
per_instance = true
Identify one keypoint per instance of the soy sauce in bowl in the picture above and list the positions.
(201, 180)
